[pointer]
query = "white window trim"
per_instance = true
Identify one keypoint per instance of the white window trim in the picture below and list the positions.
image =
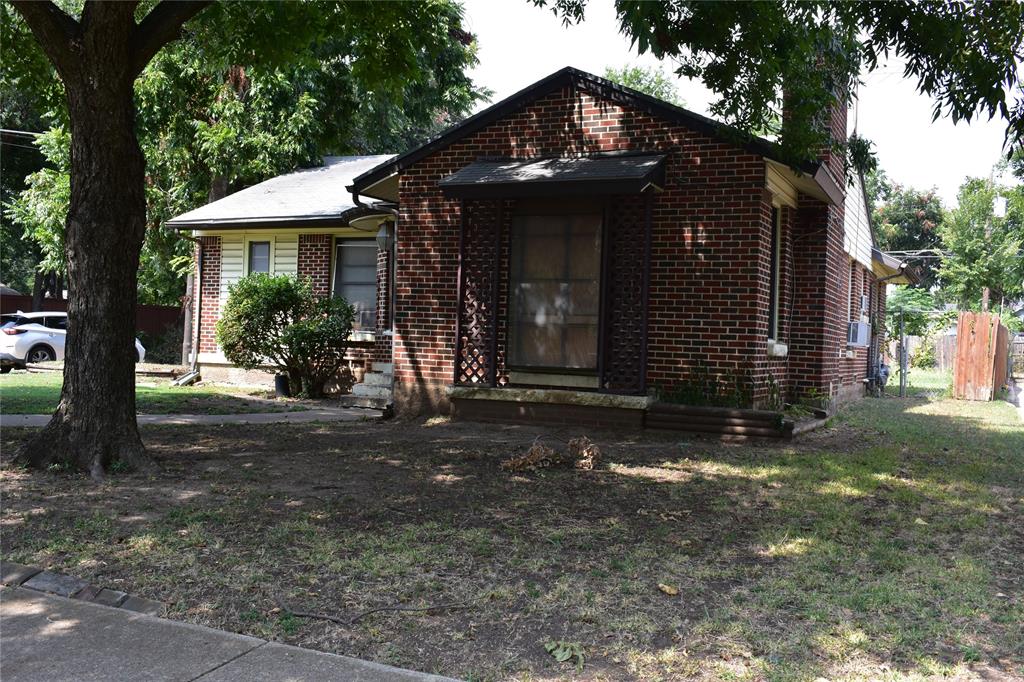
(357, 334)
(245, 253)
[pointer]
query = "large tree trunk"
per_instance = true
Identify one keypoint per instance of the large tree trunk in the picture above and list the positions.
(94, 425)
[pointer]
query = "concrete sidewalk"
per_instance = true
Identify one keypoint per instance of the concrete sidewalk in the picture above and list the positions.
(321, 414)
(45, 638)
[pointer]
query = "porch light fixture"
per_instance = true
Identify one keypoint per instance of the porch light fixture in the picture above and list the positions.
(384, 237)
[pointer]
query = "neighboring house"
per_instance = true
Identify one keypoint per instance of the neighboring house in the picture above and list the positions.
(570, 250)
(303, 223)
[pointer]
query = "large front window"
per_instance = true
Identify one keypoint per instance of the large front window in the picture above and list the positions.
(555, 269)
(355, 279)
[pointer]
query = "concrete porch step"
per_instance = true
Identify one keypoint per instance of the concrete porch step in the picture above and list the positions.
(363, 401)
(383, 367)
(372, 390)
(377, 379)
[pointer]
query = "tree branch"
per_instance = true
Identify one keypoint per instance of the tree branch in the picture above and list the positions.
(54, 29)
(161, 26)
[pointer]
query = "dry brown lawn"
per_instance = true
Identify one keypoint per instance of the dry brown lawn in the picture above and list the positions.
(889, 545)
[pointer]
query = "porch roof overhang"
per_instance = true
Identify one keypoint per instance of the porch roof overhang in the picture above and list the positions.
(603, 174)
(891, 269)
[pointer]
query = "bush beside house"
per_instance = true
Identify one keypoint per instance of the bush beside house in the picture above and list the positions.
(278, 321)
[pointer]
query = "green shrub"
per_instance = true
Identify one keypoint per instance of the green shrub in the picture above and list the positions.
(924, 354)
(701, 387)
(276, 320)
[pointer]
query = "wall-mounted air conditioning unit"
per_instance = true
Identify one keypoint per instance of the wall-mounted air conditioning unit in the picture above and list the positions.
(859, 335)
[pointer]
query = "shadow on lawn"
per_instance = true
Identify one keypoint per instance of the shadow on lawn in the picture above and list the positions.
(877, 542)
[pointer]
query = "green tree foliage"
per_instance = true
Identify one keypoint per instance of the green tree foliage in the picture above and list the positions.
(96, 54)
(19, 158)
(648, 80)
(215, 117)
(276, 320)
(753, 55)
(914, 304)
(977, 260)
(42, 207)
(906, 219)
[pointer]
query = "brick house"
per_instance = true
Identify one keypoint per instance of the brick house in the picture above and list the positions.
(580, 246)
(303, 223)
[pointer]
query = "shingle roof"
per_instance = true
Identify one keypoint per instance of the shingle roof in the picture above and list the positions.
(591, 83)
(304, 197)
(622, 172)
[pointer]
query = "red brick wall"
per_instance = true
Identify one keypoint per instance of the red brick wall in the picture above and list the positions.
(820, 304)
(315, 261)
(210, 285)
(710, 229)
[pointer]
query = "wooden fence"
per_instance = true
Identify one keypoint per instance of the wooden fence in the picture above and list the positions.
(151, 319)
(983, 346)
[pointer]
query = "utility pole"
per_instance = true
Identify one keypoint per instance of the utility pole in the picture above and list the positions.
(903, 359)
(988, 240)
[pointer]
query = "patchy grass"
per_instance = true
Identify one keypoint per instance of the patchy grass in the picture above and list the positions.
(923, 382)
(39, 393)
(887, 546)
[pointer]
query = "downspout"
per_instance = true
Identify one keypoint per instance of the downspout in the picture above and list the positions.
(392, 281)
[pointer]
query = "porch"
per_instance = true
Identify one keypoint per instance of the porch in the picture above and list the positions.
(554, 274)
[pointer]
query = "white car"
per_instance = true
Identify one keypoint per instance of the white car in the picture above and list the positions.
(29, 338)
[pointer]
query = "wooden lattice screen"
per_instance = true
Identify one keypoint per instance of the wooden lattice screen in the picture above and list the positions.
(626, 273)
(480, 252)
(483, 295)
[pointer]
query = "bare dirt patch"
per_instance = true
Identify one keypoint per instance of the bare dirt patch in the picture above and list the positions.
(781, 561)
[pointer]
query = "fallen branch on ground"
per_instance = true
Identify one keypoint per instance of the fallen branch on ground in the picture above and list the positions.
(363, 614)
(582, 453)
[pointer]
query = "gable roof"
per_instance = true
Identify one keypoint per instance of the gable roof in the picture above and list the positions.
(304, 197)
(625, 173)
(605, 89)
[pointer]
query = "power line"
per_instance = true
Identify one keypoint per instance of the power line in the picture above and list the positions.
(19, 146)
(21, 133)
(926, 254)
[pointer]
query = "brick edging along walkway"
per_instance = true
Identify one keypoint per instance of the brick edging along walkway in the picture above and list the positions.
(32, 578)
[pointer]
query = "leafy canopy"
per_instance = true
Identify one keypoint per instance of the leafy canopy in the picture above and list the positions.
(977, 259)
(648, 80)
(906, 219)
(755, 55)
(220, 109)
(914, 304)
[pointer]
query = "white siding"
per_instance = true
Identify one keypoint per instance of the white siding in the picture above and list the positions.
(857, 225)
(286, 254)
(232, 264)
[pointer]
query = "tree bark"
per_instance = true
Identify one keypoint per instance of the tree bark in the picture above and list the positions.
(98, 60)
(38, 292)
(94, 425)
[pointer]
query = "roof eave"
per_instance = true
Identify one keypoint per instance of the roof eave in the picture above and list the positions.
(609, 90)
(275, 222)
(892, 269)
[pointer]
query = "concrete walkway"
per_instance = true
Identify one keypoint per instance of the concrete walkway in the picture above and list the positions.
(45, 638)
(320, 414)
